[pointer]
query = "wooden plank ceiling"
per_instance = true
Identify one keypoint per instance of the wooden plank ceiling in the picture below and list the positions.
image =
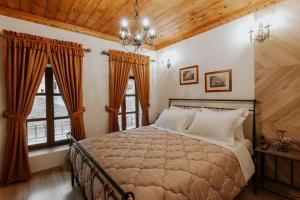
(173, 20)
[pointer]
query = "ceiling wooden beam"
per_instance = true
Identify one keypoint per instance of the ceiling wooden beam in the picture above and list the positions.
(53, 23)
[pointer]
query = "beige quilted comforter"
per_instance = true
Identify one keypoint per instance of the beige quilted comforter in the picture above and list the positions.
(155, 164)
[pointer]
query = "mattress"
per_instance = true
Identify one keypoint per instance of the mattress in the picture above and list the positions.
(157, 164)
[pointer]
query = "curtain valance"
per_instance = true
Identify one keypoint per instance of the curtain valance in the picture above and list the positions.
(122, 56)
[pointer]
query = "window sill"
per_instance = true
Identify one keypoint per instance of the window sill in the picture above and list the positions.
(48, 150)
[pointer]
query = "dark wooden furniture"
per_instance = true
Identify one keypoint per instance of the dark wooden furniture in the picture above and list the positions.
(289, 190)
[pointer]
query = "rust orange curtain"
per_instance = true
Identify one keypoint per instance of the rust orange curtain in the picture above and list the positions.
(119, 68)
(67, 59)
(141, 71)
(24, 59)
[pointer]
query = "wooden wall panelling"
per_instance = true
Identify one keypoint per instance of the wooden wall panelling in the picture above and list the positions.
(26, 5)
(3, 3)
(99, 12)
(212, 21)
(52, 8)
(76, 10)
(15, 4)
(64, 9)
(119, 9)
(277, 76)
(89, 9)
(40, 7)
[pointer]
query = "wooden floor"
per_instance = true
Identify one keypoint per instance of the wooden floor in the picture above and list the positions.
(55, 185)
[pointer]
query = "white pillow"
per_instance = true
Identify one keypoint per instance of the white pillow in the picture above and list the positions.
(191, 117)
(239, 134)
(217, 125)
(173, 119)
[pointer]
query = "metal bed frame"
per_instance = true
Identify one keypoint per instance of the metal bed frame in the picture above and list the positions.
(110, 187)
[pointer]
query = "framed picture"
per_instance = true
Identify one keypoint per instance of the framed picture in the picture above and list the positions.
(218, 81)
(188, 75)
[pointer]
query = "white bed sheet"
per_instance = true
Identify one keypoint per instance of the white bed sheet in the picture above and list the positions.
(242, 151)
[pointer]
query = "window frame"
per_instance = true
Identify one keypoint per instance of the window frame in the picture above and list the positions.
(50, 118)
(123, 107)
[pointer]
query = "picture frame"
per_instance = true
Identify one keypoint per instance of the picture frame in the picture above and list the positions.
(218, 81)
(189, 75)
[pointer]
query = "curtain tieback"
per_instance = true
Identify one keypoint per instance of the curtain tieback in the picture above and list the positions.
(111, 110)
(77, 113)
(14, 117)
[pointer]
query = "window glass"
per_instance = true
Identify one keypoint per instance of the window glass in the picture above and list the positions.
(36, 132)
(120, 121)
(55, 86)
(60, 109)
(61, 128)
(130, 87)
(42, 87)
(39, 108)
(130, 121)
(130, 103)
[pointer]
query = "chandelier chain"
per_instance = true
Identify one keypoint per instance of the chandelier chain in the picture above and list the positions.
(136, 10)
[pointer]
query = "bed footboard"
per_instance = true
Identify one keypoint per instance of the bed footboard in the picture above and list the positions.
(90, 174)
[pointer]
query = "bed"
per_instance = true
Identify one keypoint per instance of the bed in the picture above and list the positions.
(157, 163)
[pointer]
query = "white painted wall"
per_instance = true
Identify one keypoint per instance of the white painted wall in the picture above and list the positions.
(95, 75)
(225, 47)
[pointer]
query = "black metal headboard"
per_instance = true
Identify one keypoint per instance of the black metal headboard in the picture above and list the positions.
(250, 102)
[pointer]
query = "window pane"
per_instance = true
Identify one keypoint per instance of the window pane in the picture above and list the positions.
(61, 128)
(36, 132)
(130, 103)
(55, 86)
(42, 88)
(38, 108)
(130, 121)
(60, 109)
(130, 87)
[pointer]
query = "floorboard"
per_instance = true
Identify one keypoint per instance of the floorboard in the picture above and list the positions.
(55, 185)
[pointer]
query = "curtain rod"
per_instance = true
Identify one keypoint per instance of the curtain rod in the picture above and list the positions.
(87, 50)
(106, 53)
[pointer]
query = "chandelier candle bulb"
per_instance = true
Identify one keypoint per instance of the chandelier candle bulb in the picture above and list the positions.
(124, 23)
(123, 35)
(137, 40)
(152, 32)
(146, 24)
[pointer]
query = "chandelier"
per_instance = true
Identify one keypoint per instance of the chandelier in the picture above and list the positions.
(141, 32)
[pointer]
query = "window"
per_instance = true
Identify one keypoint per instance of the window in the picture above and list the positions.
(49, 121)
(129, 111)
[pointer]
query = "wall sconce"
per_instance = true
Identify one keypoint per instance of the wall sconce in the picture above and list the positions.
(168, 64)
(261, 34)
